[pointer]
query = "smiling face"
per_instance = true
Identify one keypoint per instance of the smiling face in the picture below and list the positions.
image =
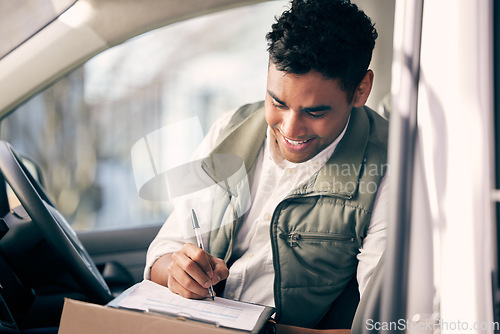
(306, 113)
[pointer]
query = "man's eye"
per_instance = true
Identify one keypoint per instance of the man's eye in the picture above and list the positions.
(315, 114)
(278, 105)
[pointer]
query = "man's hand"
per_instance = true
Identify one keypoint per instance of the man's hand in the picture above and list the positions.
(189, 271)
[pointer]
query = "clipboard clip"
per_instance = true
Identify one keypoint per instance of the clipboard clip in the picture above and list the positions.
(182, 316)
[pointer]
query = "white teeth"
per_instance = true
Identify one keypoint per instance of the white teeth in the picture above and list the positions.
(293, 142)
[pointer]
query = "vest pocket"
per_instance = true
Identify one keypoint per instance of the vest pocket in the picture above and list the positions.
(293, 239)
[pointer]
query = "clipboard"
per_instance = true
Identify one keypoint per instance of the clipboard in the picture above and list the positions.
(149, 297)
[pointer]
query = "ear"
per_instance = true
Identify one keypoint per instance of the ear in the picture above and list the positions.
(363, 90)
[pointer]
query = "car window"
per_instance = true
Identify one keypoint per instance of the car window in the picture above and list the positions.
(81, 130)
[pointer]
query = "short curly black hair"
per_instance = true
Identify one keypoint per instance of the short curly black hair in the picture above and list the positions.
(332, 37)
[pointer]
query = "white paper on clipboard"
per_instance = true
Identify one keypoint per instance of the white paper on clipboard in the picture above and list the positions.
(151, 297)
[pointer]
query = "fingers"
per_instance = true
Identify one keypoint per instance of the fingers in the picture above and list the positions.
(186, 288)
(190, 272)
(220, 269)
(187, 272)
(200, 263)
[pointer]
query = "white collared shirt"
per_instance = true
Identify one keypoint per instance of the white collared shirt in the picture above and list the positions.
(251, 276)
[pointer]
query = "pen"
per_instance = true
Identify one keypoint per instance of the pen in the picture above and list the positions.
(196, 228)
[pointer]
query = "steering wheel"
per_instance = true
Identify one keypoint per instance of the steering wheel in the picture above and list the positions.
(56, 230)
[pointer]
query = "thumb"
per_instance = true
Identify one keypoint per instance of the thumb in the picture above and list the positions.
(221, 272)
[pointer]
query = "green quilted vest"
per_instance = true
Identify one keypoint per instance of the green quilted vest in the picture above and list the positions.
(317, 230)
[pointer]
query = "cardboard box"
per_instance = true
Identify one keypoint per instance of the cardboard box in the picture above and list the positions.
(86, 318)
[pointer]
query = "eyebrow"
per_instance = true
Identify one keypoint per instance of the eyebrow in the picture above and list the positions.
(309, 110)
(275, 97)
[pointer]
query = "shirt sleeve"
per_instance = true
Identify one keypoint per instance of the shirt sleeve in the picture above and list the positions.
(375, 241)
(172, 236)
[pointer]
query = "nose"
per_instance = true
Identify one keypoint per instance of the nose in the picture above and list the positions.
(292, 125)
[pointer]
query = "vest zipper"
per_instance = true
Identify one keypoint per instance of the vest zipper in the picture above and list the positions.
(277, 272)
(293, 238)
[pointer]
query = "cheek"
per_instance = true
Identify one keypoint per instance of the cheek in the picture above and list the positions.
(328, 129)
(324, 131)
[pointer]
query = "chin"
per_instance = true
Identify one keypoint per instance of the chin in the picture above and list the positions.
(295, 159)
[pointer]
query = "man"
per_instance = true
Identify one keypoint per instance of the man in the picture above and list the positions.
(315, 160)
